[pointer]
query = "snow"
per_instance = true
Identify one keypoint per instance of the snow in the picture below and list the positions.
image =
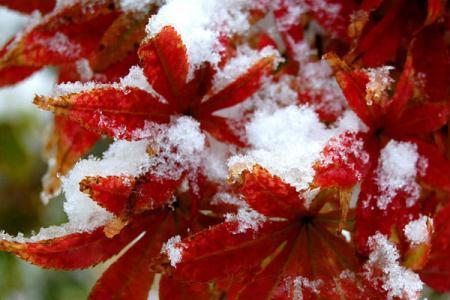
(289, 141)
(174, 250)
(397, 172)
(343, 147)
(138, 5)
(417, 231)
(200, 23)
(122, 158)
(61, 44)
(316, 80)
(238, 65)
(178, 147)
(301, 283)
(134, 78)
(247, 219)
(84, 69)
(379, 83)
(397, 281)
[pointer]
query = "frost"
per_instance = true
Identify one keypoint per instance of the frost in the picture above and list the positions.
(301, 283)
(134, 78)
(174, 250)
(417, 231)
(244, 59)
(315, 81)
(178, 147)
(343, 147)
(379, 83)
(397, 172)
(138, 5)
(200, 24)
(396, 280)
(289, 141)
(247, 218)
(61, 44)
(84, 69)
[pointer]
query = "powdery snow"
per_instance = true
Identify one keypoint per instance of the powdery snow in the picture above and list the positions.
(178, 146)
(289, 141)
(247, 219)
(138, 5)
(396, 280)
(417, 231)
(238, 65)
(200, 24)
(379, 82)
(301, 284)
(134, 78)
(174, 250)
(316, 80)
(122, 158)
(396, 172)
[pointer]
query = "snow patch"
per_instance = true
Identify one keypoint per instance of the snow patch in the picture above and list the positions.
(174, 250)
(289, 141)
(247, 218)
(200, 23)
(397, 172)
(417, 231)
(397, 281)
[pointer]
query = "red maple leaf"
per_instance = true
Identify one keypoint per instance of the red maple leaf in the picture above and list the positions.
(108, 110)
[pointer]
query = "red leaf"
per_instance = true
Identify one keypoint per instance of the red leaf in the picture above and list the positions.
(353, 85)
(436, 273)
(419, 119)
(395, 28)
(78, 250)
(172, 289)
(130, 276)
(229, 251)
(223, 129)
(239, 90)
(335, 20)
(269, 195)
(13, 75)
(344, 161)
(384, 220)
(436, 9)
(29, 6)
(437, 166)
(70, 142)
(64, 36)
(126, 195)
(165, 63)
(111, 111)
(431, 59)
(403, 93)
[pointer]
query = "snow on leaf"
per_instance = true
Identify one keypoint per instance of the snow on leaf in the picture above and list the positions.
(397, 171)
(398, 281)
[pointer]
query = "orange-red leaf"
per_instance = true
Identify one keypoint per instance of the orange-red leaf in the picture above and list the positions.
(78, 250)
(239, 90)
(269, 195)
(28, 6)
(344, 161)
(111, 111)
(165, 63)
(130, 276)
(126, 195)
(227, 250)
